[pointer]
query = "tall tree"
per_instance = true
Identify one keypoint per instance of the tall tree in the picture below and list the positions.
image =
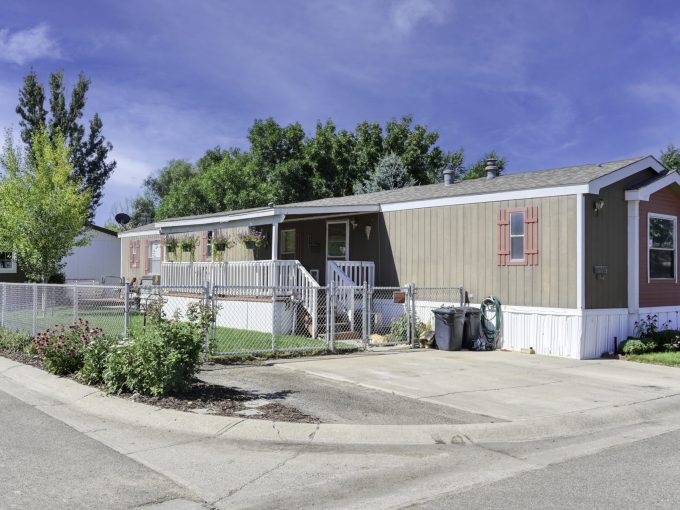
(88, 149)
(43, 209)
(390, 173)
(670, 157)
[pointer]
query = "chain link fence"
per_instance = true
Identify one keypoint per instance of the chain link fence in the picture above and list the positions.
(248, 320)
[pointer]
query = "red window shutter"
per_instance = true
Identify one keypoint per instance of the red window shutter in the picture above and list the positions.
(503, 238)
(146, 257)
(531, 235)
(131, 260)
(204, 244)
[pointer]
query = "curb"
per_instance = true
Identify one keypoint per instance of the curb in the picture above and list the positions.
(52, 390)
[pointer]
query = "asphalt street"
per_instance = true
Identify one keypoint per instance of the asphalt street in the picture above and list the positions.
(642, 474)
(47, 464)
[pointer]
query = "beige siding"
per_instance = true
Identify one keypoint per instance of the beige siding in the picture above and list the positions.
(457, 245)
(606, 244)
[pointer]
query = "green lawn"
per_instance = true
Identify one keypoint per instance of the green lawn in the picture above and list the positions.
(671, 359)
(226, 340)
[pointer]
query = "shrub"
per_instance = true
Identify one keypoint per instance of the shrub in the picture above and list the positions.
(399, 328)
(95, 358)
(661, 339)
(62, 348)
(634, 346)
(14, 341)
(163, 359)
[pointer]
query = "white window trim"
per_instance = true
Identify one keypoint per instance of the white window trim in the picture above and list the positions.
(523, 236)
(13, 268)
(336, 222)
(674, 219)
(283, 231)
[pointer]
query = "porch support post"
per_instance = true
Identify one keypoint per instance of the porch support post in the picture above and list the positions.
(275, 254)
(633, 258)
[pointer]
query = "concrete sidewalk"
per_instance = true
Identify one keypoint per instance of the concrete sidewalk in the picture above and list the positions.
(504, 385)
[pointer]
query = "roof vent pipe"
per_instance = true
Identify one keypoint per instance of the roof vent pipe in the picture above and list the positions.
(491, 168)
(448, 177)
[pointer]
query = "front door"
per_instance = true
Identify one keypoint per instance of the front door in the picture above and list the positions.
(337, 241)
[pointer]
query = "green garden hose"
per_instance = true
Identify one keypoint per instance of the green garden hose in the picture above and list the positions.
(492, 320)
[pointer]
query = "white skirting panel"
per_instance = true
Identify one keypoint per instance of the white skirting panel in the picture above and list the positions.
(550, 331)
(601, 328)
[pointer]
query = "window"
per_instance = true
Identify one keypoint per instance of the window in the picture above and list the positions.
(517, 236)
(662, 232)
(7, 262)
(208, 244)
(337, 240)
(154, 255)
(287, 244)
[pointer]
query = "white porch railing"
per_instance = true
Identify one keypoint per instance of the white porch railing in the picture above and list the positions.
(358, 271)
(344, 288)
(248, 279)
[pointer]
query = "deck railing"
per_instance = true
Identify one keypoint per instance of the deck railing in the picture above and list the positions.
(358, 271)
(248, 278)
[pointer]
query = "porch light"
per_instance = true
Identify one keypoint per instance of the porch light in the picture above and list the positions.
(598, 205)
(367, 229)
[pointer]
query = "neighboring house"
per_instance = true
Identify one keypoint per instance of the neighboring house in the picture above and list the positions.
(87, 263)
(575, 254)
(98, 259)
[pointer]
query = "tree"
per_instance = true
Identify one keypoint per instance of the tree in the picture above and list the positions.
(670, 157)
(43, 209)
(478, 169)
(88, 151)
(390, 173)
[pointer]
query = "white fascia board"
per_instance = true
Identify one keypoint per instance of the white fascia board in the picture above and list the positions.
(645, 192)
(488, 197)
(214, 220)
(595, 186)
(214, 225)
(140, 233)
(333, 209)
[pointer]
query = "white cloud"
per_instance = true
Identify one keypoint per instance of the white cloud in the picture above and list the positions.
(25, 46)
(663, 92)
(406, 14)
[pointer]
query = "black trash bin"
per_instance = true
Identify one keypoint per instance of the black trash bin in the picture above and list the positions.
(448, 328)
(472, 330)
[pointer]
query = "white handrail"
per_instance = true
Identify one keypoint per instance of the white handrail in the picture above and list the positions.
(359, 272)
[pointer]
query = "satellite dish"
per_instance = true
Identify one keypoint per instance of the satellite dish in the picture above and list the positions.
(122, 219)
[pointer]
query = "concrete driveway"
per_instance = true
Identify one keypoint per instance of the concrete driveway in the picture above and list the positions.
(505, 385)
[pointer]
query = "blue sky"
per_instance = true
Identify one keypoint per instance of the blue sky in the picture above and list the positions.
(544, 83)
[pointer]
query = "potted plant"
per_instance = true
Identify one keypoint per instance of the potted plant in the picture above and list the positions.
(252, 238)
(220, 245)
(171, 247)
(189, 245)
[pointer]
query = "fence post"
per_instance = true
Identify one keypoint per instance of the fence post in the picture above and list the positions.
(365, 316)
(274, 319)
(3, 305)
(75, 302)
(206, 299)
(411, 306)
(126, 305)
(330, 323)
(35, 309)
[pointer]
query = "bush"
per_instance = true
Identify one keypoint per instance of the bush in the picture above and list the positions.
(399, 328)
(95, 358)
(62, 348)
(14, 341)
(163, 359)
(662, 339)
(634, 346)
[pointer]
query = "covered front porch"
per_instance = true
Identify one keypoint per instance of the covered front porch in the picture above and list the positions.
(303, 246)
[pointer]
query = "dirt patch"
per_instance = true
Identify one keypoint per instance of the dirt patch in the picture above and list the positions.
(22, 357)
(204, 398)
